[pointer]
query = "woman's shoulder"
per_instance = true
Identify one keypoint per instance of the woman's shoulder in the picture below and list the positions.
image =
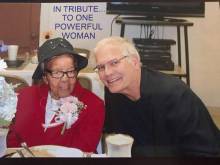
(157, 81)
(32, 90)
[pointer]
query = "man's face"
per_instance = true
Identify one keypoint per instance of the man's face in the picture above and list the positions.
(114, 69)
(60, 84)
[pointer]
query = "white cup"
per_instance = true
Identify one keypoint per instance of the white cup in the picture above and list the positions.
(12, 52)
(3, 145)
(119, 145)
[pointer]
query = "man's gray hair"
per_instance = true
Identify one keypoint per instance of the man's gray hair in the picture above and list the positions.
(127, 48)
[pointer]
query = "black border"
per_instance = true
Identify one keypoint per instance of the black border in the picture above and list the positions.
(66, 1)
(110, 161)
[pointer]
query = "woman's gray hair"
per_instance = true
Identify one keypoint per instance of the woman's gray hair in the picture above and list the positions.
(127, 48)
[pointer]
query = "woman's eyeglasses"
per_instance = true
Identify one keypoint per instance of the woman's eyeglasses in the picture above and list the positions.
(113, 63)
(60, 74)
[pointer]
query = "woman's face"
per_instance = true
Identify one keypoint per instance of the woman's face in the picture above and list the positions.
(60, 84)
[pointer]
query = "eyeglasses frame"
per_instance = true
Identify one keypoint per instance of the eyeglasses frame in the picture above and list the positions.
(63, 73)
(111, 61)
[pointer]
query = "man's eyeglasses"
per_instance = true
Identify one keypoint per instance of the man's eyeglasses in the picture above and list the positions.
(60, 74)
(113, 63)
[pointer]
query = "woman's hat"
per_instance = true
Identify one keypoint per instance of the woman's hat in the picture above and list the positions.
(55, 47)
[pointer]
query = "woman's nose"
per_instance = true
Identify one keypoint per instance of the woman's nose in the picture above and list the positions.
(65, 77)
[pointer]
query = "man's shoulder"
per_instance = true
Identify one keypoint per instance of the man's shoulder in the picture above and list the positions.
(153, 81)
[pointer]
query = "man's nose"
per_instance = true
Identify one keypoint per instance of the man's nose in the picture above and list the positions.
(108, 70)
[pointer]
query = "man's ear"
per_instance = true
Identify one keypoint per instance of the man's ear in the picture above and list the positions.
(135, 61)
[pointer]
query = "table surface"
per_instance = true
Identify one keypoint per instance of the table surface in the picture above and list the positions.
(85, 154)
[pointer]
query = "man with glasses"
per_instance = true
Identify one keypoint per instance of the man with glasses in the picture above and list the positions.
(47, 113)
(161, 113)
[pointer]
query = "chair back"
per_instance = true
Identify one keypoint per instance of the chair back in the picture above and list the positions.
(83, 52)
(85, 82)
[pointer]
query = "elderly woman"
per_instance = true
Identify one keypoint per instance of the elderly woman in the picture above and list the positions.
(59, 111)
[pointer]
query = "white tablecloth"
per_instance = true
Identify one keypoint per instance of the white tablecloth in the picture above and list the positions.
(27, 71)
